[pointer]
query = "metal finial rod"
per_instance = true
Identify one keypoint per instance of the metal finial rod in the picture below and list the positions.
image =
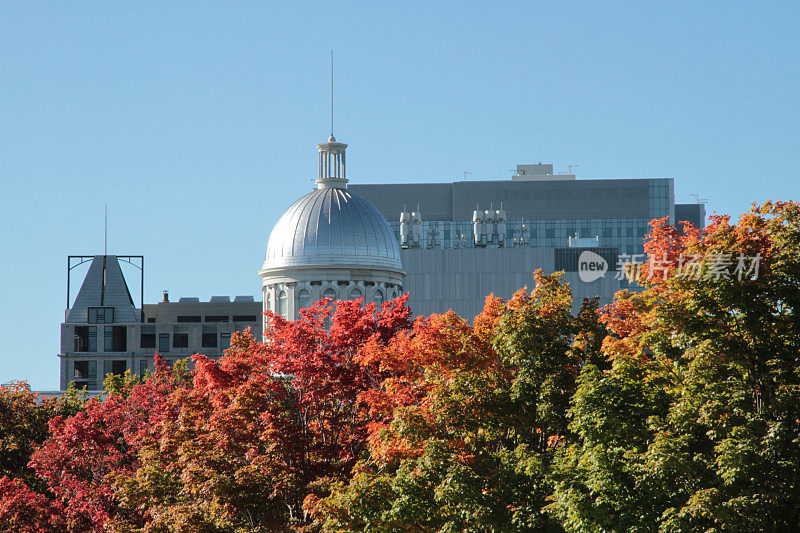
(105, 233)
(331, 93)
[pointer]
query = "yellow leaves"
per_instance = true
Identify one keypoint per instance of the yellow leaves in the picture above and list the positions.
(520, 299)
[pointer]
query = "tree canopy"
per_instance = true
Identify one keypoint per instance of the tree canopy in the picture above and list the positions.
(675, 408)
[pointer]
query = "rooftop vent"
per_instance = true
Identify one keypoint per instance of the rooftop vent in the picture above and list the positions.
(185, 299)
(243, 299)
(220, 299)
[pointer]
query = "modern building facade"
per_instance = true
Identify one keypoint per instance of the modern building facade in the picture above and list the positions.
(463, 240)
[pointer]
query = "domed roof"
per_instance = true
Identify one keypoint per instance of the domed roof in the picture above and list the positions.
(332, 226)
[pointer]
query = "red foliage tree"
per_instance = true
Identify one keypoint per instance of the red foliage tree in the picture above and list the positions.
(25, 511)
(330, 369)
(84, 450)
(266, 425)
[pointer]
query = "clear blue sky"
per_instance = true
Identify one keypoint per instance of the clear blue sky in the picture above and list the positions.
(196, 121)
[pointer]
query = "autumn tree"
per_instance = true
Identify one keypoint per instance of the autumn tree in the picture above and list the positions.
(673, 409)
(472, 418)
(73, 464)
(26, 504)
(265, 426)
(24, 418)
(695, 426)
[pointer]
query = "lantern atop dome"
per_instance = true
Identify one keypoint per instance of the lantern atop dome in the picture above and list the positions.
(331, 165)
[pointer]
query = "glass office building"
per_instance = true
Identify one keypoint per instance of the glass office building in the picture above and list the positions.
(462, 240)
(615, 212)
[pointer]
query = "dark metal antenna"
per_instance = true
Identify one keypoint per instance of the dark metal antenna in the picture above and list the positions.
(105, 236)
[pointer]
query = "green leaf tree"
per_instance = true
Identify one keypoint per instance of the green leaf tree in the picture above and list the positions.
(695, 426)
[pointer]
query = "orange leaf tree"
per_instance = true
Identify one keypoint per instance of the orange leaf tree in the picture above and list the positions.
(471, 418)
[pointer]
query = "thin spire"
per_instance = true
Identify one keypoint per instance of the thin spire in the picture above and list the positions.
(105, 233)
(331, 156)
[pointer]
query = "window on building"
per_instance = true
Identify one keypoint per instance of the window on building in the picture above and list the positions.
(355, 293)
(245, 318)
(82, 338)
(303, 299)
(120, 338)
(85, 374)
(144, 366)
(209, 337)
(189, 318)
(329, 293)
(101, 315)
(283, 309)
(163, 342)
(180, 340)
(217, 318)
(116, 339)
(119, 367)
(81, 369)
(379, 299)
(148, 337)
(92, 339)
(224, 341)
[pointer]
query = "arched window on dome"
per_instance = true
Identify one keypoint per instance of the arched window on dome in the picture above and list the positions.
(303, 299)
(379, 299)
(268, 301)
(329, 293)
(355, 293)
(283, 308)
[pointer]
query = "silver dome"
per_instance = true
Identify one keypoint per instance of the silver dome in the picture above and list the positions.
(329, 227)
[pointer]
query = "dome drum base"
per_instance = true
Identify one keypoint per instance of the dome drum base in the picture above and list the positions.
(286, 295)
